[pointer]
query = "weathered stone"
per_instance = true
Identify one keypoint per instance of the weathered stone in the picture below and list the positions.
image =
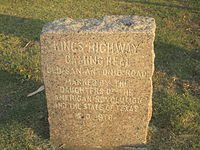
(113, 148)
(98, 80)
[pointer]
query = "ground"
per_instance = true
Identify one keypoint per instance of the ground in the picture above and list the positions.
(175, 124)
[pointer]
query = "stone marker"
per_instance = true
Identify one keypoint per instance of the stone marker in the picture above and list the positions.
(98, 80)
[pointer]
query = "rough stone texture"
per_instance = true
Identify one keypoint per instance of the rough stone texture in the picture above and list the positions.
(104, 24)
(98, 80)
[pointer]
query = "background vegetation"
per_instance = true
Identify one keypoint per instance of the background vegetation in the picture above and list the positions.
(176, 101)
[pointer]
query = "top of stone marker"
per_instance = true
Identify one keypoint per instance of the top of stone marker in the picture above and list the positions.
(103, 24)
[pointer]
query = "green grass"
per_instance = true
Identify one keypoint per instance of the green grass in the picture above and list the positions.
(175, 123)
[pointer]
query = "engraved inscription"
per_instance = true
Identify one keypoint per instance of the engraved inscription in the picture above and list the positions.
(95, 90)
(99, 117)
(96, 107)
(84, 82)
(93, 94)
(67, 46)
(96, 60)
(96, 83)
(95, 71)
(104, 117)
(100, 99)
(111, 48)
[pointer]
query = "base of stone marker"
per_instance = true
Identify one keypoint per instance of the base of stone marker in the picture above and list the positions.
(143, 147)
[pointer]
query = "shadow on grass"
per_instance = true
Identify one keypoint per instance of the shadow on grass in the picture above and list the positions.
(162, 5)
(16, 108)
(176, 61)
(170, 110)
(171, 113)
(21, 27)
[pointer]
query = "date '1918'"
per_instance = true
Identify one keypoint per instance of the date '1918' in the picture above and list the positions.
(99, 117)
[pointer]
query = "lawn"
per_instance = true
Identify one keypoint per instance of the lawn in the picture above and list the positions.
(175, 124)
